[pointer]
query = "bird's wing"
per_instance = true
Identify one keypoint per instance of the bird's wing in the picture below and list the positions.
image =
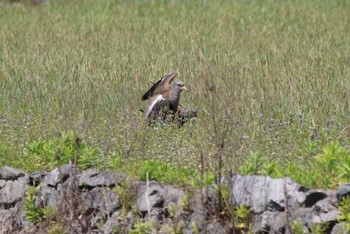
(160, 86)
(153, 103)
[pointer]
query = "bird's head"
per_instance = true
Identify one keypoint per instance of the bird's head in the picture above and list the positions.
(180, 85)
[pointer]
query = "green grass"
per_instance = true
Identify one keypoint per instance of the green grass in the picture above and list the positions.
(280, 68)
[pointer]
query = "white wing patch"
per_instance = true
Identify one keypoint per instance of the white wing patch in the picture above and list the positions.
(156, 100)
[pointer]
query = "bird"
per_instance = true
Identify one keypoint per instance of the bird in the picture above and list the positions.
(164, 96)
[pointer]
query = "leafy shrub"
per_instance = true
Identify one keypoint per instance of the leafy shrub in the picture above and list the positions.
(344, 216)
(260, 164)
(50, 153)
(243, 214)
(327, 169)
(333, 164)
(34, 214)
(172, 173)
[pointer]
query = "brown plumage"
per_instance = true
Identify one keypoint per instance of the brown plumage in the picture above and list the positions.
(164, 97)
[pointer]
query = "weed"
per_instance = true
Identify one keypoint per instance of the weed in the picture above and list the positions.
(297, 228)
(194, 228)
(33, 214)
(142, 228)
(319, 228)
(50, 153)
(344, 209)
(257, 163)
(57, 228)
(185, 202)
(243, 214)
(332, 165)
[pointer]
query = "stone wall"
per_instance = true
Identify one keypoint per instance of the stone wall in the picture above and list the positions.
(104, 202)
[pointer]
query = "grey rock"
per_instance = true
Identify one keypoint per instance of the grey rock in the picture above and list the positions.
(100, 200)
(300, 215)
(121, 178)
(262, 192)
(59, 175)
(215, 228)
(111, 223)
(321, 212)
(343, 191)
(313, 196)
(199, 215)
(329, 216)
(301, 197)
(211, 193)
(172, 195)
(13, 191)
(187, 230)
(9, 173)
(2, 183)
(156, 215)
(118, 222)
(173, 200)
(150, 199)
(326, 211)
(4, 214)
(272, 221)
(130, 220)
(254, 192)
(12, 220)
(282, 191)
(339, 228)
(166, 228)
(36, 178)
(49, 196)
(93, 178)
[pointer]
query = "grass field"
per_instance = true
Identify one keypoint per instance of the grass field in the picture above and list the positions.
(269, 78)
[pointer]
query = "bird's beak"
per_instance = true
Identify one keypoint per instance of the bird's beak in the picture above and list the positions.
(183, 88)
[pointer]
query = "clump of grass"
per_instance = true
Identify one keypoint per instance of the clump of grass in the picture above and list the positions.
(344, 215)
(33, 214)
(50, 153)
(328, 169)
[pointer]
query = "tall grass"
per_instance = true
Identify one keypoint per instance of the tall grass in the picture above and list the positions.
(280, 69)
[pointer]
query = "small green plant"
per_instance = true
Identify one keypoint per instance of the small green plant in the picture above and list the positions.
(309, 178)
(225, 194)
(327, 169)
(344, 216)
(185, 202)
(172, 210)
(57, 228)
(34, 214)
(243, 215)
(297, 228)
(333, 165)
(142, 228)
(50, 153)
(319, 228)
(194, 227)
(172, 173)
(258, 163)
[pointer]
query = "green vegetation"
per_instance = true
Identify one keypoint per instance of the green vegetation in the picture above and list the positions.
(57, 228)
(328, 169)
(297, 228)
(33, 214)
(243, 214)
(142, 227)
(344, 215)
(270, 80)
